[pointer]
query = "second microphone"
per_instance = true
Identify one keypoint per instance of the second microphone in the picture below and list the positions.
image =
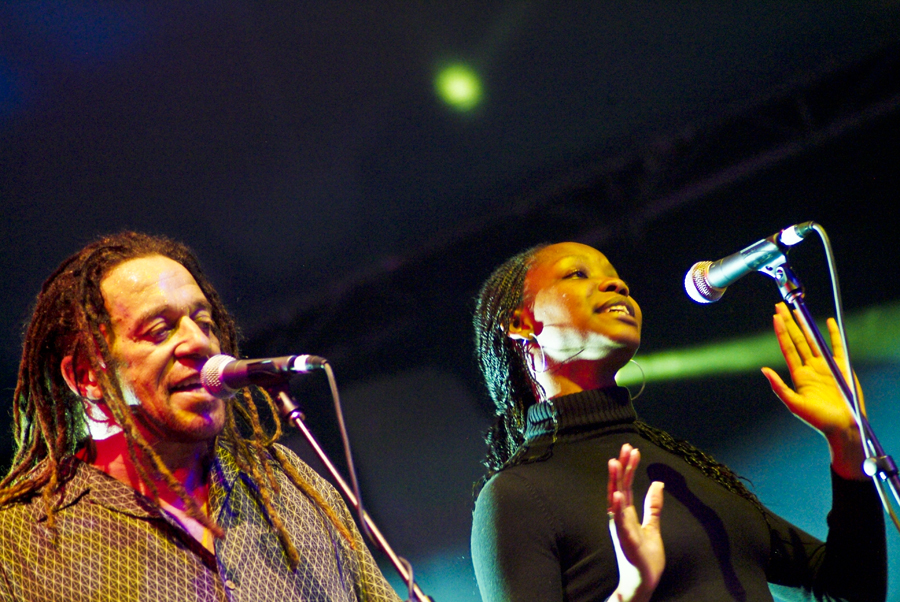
(222, 375)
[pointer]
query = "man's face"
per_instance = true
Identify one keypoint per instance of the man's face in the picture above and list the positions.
(162, 334)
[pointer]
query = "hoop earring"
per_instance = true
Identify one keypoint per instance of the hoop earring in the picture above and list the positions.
(643, 380)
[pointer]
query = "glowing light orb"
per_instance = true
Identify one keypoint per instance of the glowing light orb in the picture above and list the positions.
(459, 87)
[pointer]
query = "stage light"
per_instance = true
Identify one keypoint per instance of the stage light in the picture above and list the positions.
(459, 86)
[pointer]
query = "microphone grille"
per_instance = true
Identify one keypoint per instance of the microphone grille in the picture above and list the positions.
(211, 375)
(697, 286)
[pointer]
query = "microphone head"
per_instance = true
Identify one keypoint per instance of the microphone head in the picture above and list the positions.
(211, 375)
(697, 286)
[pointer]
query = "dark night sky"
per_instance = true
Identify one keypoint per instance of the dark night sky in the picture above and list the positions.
(300, 149)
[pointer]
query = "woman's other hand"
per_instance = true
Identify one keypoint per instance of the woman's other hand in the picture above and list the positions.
(639, 547)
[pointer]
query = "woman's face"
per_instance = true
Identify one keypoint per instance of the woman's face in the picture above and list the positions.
(579, 307)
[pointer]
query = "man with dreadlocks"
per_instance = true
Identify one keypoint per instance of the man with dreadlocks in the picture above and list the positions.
(130, 482)
(553, 325)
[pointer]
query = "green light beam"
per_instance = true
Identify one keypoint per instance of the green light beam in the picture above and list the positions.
(873, 335)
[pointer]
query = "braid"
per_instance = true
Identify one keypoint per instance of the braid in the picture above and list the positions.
(50, 426)
(502, 361)
(701, 460)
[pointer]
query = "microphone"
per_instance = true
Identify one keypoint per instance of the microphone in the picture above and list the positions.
(222, 374)
(706, 281)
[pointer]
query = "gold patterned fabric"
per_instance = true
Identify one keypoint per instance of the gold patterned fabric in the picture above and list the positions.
(112, 543)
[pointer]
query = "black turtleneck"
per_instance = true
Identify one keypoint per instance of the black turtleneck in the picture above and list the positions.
(540, 530)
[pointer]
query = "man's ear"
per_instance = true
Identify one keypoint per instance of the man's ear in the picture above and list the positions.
(521, 326)
(81, 378)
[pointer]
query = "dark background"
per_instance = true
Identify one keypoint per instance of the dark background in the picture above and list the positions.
(342, 210)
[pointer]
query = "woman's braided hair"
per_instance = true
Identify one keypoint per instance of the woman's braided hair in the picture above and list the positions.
(511, 386)
(70, 319)
(502, 360)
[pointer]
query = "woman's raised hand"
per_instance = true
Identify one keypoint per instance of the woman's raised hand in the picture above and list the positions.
(815, 397)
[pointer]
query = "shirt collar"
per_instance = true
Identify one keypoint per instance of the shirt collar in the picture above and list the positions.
(84, 483)
(580, 412)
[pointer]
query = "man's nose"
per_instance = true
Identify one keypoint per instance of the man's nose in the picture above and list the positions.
(194, 338)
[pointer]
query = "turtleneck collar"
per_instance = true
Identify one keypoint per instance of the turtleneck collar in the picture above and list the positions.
(580, 413)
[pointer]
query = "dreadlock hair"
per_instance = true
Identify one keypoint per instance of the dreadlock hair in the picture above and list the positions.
(70, 319)
(512, 387)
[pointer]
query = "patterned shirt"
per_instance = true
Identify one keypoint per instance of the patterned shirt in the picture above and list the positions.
(112, 543)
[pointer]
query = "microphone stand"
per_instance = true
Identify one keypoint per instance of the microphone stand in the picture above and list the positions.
(878, 463)
(292, 413)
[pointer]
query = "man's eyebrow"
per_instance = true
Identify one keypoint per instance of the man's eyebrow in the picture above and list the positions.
(162, 308)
